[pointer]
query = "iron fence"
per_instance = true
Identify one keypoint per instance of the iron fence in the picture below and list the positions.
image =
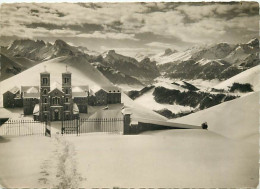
(98, 125)
(23, 128)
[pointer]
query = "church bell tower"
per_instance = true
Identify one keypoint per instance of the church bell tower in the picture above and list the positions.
(66, 88)
(44, 104)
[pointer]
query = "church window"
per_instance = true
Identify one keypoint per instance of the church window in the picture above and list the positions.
(45, 100)
(45, 80)
(55, 101)
(66, 80)
(66, 99)
(67, 91)
(45, 91)
(45, 108)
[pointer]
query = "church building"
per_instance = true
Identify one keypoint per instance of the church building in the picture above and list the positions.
(56, 101)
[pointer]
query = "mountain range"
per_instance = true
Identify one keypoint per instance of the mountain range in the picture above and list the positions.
(220, 61)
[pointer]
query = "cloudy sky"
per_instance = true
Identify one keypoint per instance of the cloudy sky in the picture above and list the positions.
(131, 27)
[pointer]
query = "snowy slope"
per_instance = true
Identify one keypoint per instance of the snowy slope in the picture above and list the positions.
(147, 100)
(82, 74)
(249, 76)
(177, 56)
(234, 119)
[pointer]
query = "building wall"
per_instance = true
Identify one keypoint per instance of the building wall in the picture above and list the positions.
(28, 105)
(56, 113)
(113, 98)
(92, 100)
(101, 97)
(82, 103)
(18, 102)
(8, 100)
(56, 105)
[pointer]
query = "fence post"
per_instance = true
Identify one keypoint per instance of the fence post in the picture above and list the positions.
(62, 126)
(77, 122)
(127, 120)
(19, 128)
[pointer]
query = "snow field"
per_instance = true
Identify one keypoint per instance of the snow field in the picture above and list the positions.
(238, 119)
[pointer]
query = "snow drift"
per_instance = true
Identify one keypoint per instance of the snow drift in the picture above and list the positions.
(236, 119)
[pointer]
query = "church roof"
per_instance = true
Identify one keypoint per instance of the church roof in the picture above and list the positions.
(45, 72)
(14, 90)
(67, 72)
(56, 85)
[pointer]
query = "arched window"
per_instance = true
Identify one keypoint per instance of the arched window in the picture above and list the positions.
(45, 100)
(45, 108)
(45, 91)
(55, 100)
(66, 91)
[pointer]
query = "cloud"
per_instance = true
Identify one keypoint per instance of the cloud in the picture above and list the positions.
(85, 27)
(179, 24)
(160, 45)
(107, 35)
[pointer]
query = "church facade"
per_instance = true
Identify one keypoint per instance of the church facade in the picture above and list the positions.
(56, 101)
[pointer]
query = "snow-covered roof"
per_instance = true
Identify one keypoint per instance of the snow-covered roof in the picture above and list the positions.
(75, 108)
(36, 109)
(111, 89)
(94, 89)
(107, 114)
(79, 94)
(67, 72)
(45, 72)
(18, 96)
(30, 89)
(81, 88)
(31, 95)
(14, 90)
(80, 91)
(56, 85)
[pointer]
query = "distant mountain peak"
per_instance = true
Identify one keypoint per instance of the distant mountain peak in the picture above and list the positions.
(111, 52)
(254, 42)
(169, 51)
(60, 43)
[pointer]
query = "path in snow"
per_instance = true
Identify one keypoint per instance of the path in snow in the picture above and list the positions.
(60, 169)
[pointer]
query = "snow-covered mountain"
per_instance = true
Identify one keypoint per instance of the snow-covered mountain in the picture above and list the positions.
(250, 76)
(9, 67)
(172, 56)
(143, 70)
(39, 51)
(115, 76)
(220, 61)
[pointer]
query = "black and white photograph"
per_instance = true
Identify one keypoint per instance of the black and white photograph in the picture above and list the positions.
(129, 95)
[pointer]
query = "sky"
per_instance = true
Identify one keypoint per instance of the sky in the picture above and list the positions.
(131, 28)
